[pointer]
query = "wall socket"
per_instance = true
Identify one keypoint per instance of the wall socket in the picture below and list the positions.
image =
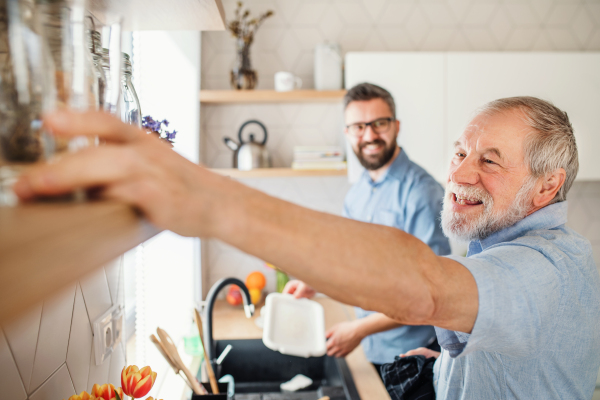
(108, 332)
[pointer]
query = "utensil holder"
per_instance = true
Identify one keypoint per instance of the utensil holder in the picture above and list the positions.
(221, 396)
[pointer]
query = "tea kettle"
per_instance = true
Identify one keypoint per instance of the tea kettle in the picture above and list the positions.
(249, 155)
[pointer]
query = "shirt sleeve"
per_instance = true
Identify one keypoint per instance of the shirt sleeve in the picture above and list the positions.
(519, 294)
(422, 216)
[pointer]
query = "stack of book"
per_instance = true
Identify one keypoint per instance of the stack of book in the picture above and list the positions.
(318, 157)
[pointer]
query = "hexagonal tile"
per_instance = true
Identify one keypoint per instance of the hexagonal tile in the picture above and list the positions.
(563, 39)
(309, 12)
(374, 8)
(308, 37)
(310, 114)
(459, 8)
(395, 38)
(287, 9)
(220, 64)
(417, 26)
(396, 13)
(22, 336)
(353, 38)
(98, 373)
(266, 39)
(117, 363)
(521, 14)
(542, 7)
(542, 43)
(375, 42)
(562, 14)
(480, 38)
(459, 42)
(289, 50)
(353, 13)
(522, 38)
(10, 381)
(438, 14)
(53, 339)
(304, 69)
(59, 386)
(331, 24)
(221, 42)
(80, 345)
(501, 26)
(582, 26)
(96, 294)
(438, 39)
(479, 14)
(113, 272)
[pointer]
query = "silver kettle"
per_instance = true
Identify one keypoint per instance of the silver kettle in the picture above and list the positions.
(249, 155)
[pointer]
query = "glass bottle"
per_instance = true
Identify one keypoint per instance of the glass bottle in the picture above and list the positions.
(95, 46)
(130, 104)
(25, 93)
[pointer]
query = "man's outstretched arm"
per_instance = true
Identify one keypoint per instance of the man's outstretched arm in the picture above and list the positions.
(370, 266)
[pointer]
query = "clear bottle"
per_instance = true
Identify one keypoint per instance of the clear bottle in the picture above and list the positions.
(99, 87)
(130, 104)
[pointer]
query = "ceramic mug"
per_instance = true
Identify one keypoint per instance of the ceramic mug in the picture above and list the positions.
(286, 81)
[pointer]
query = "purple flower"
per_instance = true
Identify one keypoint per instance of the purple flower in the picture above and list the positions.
(164, 121)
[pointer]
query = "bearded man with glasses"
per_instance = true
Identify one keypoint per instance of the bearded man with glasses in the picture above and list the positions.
(392, 191)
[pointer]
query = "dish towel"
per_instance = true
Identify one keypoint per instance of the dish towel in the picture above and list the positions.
(409, 378)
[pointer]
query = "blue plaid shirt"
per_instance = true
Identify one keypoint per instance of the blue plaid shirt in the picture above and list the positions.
(407, 198)
(537, 332)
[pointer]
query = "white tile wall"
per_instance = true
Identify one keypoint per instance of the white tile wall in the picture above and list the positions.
(46, 354)
(286, 42)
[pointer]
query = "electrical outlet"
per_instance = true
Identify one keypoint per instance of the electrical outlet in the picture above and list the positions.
(108, 332)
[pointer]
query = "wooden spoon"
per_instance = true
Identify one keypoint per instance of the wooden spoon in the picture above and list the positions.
(171, 350)
(211, 374)
(163, 352)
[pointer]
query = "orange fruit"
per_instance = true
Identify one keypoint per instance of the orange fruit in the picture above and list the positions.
(256, 280)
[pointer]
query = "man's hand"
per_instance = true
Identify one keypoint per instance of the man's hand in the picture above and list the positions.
(422, 351)
(342, 339)
(299, 289)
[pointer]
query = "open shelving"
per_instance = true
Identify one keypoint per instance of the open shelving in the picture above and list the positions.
(278, 172)
(270, 96)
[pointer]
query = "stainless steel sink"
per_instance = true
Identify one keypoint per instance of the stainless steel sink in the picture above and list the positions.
(258, 372)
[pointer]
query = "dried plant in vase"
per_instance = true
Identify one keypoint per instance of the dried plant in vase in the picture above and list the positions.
(243, 28)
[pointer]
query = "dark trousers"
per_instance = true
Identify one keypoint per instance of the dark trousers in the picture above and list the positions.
(435, 346)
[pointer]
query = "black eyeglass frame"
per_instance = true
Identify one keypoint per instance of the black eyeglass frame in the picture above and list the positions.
(366, 124)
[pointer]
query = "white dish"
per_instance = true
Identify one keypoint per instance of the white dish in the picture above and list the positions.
(294, 327)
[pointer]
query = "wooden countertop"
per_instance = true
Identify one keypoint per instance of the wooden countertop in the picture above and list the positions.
(231, 323)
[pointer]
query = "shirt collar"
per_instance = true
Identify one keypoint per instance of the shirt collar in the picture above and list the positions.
(546, 218)
(396, 168)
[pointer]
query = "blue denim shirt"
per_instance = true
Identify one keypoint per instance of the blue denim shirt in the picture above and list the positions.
(407, 198)
(537, 332)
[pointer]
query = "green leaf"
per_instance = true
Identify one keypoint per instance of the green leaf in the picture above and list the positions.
(117, 396)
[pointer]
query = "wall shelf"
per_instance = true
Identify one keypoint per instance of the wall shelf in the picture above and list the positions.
(139, 15)
(44, 247)
(277, 172)
(270, 96)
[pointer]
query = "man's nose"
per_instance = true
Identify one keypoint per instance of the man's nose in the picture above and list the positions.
(369, 134)
(465, 173)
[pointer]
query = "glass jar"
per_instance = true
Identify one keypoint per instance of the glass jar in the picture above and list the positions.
(25, 93)
(130, 104)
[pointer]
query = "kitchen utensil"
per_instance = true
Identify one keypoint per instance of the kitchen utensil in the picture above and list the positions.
(211, 374)
(286, 81)
(252, 154)
(224, 354)
(171, 350)
(165, 354)
(294, 326)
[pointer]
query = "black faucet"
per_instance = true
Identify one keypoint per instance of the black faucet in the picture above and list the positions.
(208, 312)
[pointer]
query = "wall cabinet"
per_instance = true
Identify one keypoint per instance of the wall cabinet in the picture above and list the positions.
(437, 93)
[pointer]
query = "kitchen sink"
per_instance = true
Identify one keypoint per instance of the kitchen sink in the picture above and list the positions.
(258, 371)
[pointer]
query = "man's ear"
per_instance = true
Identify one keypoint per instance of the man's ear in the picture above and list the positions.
(550, 186)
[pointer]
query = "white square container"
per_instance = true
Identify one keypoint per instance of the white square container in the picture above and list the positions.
(294, 326)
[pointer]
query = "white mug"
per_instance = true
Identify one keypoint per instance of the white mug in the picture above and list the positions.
(286, 81)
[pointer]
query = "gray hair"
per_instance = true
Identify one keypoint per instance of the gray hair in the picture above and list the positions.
(368, 91)
(551, 145)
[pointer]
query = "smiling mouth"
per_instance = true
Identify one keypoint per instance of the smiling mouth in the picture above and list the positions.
(465, 201)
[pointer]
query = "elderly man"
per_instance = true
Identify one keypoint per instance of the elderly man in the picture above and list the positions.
(392, 191)
(517, 318)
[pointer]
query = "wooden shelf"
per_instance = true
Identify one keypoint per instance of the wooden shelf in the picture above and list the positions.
(139, 15)
(270, 96)
(277, 172)
(44, 247)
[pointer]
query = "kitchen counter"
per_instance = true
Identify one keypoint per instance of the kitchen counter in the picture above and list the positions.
(231, 323)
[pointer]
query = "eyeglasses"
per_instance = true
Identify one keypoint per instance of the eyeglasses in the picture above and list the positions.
(379, 126)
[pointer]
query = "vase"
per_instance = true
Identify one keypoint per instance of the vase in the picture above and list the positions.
(243, 77)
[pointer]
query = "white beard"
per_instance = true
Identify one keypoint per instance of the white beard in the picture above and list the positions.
(467, 228)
